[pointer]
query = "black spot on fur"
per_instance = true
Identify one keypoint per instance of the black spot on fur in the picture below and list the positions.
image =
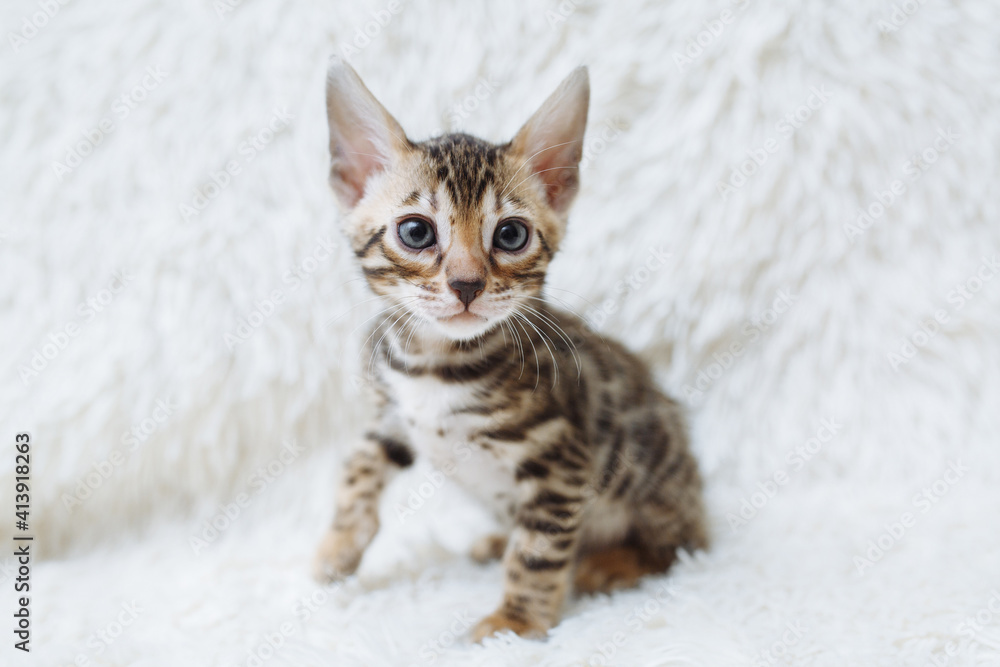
(396, 451)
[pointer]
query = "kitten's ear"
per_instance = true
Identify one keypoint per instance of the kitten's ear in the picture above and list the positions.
(552, 140)
(364, 138)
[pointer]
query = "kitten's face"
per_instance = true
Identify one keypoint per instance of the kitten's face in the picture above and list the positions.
(454, 232)
(457, 234)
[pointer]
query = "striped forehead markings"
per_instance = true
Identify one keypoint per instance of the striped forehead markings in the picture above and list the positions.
(465, 164)
(416, 197)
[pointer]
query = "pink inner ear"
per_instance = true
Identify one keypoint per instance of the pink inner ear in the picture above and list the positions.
(355, 160)
(362, 134)
(557, 168)
(351, 170)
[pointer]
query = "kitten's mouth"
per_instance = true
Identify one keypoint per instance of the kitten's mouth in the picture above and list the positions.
(464, 317)
(463, 325)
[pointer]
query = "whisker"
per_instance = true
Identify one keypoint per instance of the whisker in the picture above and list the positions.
(562, 333)
(538, 371)
(333, 320)
(406, 346)
(336, 288)
(520, 345)
(393, 341)
(535, 173)
(517, 340)
(579, 296)
(377, 314)
(545, 341)
(599, 334)
(394, 309)
(561, 303)
(529, 159)
(378, 345)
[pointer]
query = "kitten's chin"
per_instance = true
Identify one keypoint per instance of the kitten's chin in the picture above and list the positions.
(463, 326)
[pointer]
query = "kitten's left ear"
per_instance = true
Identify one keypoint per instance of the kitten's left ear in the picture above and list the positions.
(551, 142)
(364, 137)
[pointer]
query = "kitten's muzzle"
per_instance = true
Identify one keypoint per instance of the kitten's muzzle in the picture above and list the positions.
(467, 290)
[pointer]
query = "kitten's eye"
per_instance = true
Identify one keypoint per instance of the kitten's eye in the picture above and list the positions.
(510, 236)
(416, 233)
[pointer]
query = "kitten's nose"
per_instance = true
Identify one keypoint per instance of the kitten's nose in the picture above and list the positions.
(467, 290)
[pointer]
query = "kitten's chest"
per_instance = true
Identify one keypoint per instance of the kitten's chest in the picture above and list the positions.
(442, 427)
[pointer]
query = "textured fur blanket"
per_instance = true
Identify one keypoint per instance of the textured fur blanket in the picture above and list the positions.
(789, 209)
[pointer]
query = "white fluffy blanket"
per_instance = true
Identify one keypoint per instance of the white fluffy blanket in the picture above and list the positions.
(180, 323)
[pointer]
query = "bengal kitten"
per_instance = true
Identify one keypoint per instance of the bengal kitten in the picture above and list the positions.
(562, 432)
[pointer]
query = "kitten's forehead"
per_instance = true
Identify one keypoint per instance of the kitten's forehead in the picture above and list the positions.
(466, 165)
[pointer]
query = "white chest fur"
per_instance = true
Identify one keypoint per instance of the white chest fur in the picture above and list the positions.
(429, 412)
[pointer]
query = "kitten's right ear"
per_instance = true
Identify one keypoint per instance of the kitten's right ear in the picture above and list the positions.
(364, 137)
(551, 142)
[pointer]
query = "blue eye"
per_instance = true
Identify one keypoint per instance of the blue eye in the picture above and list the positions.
(510, 236)
(416, 233)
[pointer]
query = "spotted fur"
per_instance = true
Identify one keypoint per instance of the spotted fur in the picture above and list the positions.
(563, 433)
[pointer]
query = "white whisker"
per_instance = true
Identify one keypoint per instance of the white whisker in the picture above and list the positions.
(538, 371)
(529, 159)
(545, 341)
(559, 330)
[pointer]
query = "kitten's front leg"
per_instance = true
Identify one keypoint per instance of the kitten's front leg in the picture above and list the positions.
(539, 560)
(356, 520)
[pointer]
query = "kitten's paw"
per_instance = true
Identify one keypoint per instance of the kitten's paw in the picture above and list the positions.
(336, 558)
(490, 547)
(499, 621)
